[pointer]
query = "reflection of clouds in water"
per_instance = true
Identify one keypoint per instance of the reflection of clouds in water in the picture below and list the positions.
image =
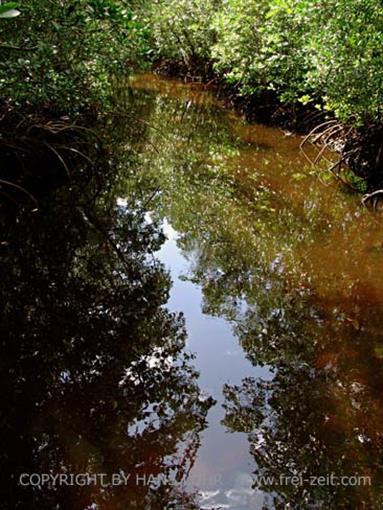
(233, 353)
(150, 361)
(148, 218)
(239, 497)
(122, 202)
(169, 231)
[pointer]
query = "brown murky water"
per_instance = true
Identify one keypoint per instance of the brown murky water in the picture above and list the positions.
(293, 264)
(276, 272)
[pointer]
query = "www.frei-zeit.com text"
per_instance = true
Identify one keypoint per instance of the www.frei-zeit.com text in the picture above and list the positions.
(330, 480)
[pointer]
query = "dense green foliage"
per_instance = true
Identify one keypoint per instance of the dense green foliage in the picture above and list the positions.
(182, 31)
(62, 55)
(328, 53)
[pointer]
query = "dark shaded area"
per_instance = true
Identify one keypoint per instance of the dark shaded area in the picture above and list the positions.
(94, 378)
(38, 155)
(366, 160)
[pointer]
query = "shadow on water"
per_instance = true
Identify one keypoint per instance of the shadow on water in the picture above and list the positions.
(279, 275)
(94, 375)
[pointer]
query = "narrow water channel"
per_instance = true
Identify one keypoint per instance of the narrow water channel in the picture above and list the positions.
(222, 470)
(200, 328)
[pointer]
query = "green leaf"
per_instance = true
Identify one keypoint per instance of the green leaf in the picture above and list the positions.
(7, 6)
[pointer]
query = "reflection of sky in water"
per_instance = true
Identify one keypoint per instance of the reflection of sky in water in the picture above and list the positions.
(222, 472)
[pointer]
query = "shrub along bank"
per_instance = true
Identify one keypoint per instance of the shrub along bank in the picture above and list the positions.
(59, 61)
(318, 56)
(60, 57)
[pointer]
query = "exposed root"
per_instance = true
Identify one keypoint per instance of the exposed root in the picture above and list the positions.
(59, 157)
(309, 138)
(324, 140)
(56, 127)
(38, 156)
(19, 188)
(372, 199)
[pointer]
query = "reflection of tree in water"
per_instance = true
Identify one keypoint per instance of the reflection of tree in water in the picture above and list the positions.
(312, 320)
(320, 414)
(322, 411)
(93, 373)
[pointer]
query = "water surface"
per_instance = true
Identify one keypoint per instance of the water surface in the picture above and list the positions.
(282, 292)
(205, 316)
